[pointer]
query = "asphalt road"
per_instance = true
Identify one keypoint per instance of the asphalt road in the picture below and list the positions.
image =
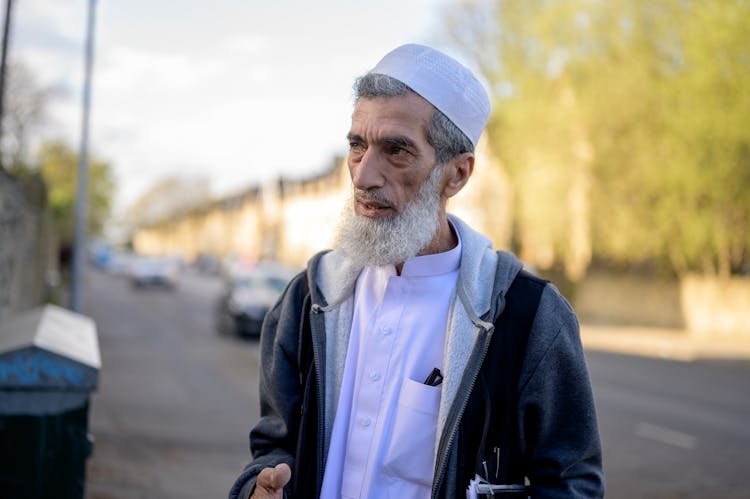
(176, 401)
(673, 429)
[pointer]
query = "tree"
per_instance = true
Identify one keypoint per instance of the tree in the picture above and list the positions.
(58, 164)
(626, 122)
(710, 141)
(24, 112)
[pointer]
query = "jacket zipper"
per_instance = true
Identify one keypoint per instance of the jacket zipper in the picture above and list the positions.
(315, 309)
(465, 400)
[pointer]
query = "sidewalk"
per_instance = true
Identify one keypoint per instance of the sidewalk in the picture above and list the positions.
(675, 344)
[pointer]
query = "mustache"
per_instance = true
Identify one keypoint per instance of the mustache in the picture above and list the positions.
(373, 197)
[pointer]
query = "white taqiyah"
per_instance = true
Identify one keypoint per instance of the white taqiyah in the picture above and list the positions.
(444, 82)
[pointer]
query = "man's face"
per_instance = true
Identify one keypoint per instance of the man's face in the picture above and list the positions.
(389, 156)
(397, 200)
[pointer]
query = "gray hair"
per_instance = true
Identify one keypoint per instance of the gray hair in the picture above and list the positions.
(447, 139)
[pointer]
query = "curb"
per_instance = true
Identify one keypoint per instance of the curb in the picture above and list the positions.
(663, 343)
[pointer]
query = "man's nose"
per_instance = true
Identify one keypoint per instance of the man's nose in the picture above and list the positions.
(367, 173)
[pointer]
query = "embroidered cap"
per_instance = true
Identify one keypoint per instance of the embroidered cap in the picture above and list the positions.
(443, 82)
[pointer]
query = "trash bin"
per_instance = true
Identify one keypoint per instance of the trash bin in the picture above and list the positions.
(49, 365)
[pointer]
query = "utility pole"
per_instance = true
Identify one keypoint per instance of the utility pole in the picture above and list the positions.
(3, 58)
(81, 211)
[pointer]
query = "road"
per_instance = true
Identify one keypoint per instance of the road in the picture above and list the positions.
(176, 400)
(673, 429)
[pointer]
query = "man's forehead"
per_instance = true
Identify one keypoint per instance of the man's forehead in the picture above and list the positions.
(382, 117)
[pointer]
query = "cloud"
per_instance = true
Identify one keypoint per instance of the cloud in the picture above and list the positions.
(242, 90)
(60, 20)
(126, 70)
(245, 44)
(155, 111)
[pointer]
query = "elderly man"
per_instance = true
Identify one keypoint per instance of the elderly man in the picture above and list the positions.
(413, 360)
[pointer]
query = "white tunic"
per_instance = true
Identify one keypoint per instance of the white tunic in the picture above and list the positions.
(383, 437)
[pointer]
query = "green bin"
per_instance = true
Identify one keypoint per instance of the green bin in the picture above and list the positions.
(49, 365)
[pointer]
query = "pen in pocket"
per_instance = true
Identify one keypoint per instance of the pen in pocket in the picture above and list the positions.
(434, 378)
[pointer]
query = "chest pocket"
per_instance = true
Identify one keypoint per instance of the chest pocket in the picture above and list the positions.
(410, 454)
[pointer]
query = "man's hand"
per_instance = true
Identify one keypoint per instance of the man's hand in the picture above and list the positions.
(270, 482)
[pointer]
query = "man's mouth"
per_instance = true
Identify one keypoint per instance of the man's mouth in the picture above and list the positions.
(372, 208)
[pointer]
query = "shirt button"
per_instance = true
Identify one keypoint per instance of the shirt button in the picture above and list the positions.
(385, 330)
(366, 421)
(374, 375)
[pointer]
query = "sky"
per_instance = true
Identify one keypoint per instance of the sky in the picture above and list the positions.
(234, 91)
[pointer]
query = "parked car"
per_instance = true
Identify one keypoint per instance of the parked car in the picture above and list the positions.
(248, 296)
(207, 264)
(119, 263)
(154, 271)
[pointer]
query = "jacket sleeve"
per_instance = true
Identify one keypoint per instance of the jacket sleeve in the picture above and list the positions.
(557, 419)
(273, 438)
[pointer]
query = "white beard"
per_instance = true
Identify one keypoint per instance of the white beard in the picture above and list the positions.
(389, 241)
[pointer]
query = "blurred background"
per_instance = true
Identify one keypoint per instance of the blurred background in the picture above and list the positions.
(616, 164)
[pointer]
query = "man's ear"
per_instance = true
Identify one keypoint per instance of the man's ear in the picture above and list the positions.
(457, 173)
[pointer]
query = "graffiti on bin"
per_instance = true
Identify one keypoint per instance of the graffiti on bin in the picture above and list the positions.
(37, 368)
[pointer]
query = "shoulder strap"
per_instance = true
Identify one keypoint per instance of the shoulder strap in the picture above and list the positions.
(522, 301)
(512, 327)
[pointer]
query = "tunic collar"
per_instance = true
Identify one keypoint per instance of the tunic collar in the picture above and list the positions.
(434, 264)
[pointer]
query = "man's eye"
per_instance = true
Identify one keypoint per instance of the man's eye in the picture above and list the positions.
(398, 151)
(356, 146)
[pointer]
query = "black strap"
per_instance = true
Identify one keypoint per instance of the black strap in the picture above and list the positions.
(508, 350)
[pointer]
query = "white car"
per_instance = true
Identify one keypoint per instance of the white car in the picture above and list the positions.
(154, 271)
(248, 296)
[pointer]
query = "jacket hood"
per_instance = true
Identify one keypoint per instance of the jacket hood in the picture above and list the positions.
(335, 275)
(482, 268)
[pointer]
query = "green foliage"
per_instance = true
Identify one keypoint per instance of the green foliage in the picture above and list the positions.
(641, 106)
(58, 164)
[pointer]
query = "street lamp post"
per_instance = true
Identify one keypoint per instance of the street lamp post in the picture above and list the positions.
(81, 208)
(3, 62)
